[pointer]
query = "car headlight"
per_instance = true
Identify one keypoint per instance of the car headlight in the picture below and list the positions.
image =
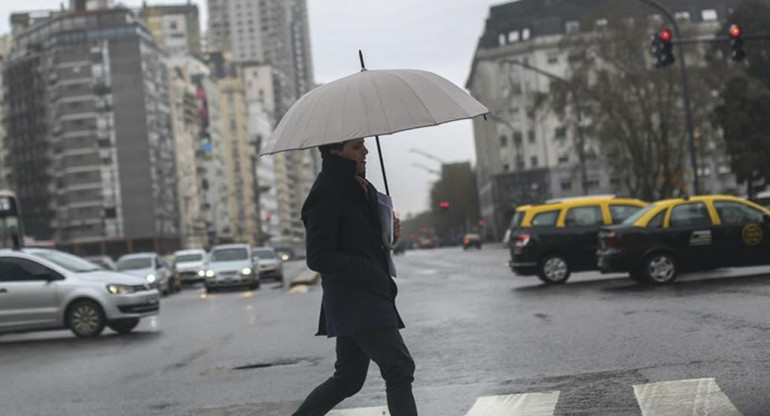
(201, 273)
(151, 278)
(284, 257)
(210, 273)
(246, 271)
(120, 289)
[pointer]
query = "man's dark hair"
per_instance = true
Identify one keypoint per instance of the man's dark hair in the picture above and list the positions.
(327, 148)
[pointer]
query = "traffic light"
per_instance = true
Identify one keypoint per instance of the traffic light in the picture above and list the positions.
(662, 48)
(736, 43)
(443, 204)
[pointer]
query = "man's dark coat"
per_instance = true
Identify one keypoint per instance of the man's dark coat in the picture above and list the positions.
(344, 244)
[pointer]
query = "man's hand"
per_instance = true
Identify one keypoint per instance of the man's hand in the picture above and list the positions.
(396, 227)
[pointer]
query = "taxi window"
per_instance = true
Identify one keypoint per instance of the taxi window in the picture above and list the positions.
(584, 217)
(619, 213)
(657, 220)
(690, 215)
(545, 219)
(732, 213)
(518, 217)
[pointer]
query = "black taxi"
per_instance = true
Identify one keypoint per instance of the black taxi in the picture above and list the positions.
(554, 239)
(686, 234)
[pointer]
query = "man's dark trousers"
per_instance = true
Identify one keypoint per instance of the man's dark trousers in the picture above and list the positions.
(387, 349)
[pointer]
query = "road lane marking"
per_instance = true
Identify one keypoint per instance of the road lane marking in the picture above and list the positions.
(684, 397)
(524, 404)
(363, 411)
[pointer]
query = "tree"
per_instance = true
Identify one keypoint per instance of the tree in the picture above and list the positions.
(457, 186)
(634, 108)
(742, 115)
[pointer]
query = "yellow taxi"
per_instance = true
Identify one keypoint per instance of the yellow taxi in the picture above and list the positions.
(554, 239)
(697, 233)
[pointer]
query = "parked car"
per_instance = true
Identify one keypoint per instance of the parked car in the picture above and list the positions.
(104, 262)
(559, 237)
(471, 240)
(42, 289)
(698, 233)
(151, 267)
(190, 265)
(270, 265)
(231, 265)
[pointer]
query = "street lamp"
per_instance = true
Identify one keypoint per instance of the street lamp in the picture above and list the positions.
(685, 94)
(579, 115)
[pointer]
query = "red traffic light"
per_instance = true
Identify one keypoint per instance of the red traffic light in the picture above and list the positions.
(735, 31)
(665, 35)
(443, 204)
(481, 222)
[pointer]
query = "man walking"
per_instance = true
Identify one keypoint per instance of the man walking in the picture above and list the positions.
(344, 244)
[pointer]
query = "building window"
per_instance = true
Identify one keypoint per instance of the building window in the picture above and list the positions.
(592, 183)
(525, 34)
(572, 26)
(601, 23)
(553, 59)
(563, 159)
(531, 136)
(172, 25)
(501, 39)
(709, 15)
(513, 36)
(503, 141)
(560, 133)
(517, 138)
(533, 161)
(506, 167)
(685, 16)
(566, 185)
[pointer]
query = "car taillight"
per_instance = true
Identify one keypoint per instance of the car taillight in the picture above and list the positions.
(467, 241)
(522, 240)
(612, 240)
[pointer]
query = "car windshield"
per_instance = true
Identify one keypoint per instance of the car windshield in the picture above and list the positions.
(68, 261)
(264, 254)
(134, 263)
(639, 214)
(229, 254)
(188, 257)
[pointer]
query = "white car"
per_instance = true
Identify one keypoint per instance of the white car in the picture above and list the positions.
(43, 289)
(150, 267)
(190, 265)
(270, 265)
(231, 265)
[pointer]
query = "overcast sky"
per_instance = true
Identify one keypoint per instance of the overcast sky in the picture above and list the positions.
(434, 35)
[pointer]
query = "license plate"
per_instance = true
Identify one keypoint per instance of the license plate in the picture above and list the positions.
(152, 299)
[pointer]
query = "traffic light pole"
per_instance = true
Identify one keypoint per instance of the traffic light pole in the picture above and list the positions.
(685, 94)
(578, 113)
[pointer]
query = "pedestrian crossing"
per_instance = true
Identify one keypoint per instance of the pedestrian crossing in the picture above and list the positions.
(669, 398)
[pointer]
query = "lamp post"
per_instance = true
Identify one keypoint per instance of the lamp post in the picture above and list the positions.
(578, 114)
(685, 94)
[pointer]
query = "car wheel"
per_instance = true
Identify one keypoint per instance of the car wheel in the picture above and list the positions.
(659, 268)
(553, 270)
(85, 318)
(123, 326)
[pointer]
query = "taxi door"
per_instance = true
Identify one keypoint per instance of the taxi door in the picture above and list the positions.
(582, 224)
(690, 233)
(743, 236)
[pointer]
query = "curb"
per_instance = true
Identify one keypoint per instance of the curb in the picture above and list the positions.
(306, 278)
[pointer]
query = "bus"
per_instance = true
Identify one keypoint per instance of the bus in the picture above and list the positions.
(11, 227)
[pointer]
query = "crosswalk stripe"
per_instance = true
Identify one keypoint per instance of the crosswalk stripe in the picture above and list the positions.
(363, 411)
(684, 397)
(525, 404)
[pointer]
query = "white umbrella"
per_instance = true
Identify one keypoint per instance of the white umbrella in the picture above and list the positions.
(371, 103)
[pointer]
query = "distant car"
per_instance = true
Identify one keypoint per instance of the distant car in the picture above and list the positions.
(42, 289)
(471, 240)
(231, 265)
(285, 253)
(190, 265)
(104, 261)
(270, 265)
(151, 267)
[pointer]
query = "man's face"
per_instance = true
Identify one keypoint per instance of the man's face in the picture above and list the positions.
(356, 151)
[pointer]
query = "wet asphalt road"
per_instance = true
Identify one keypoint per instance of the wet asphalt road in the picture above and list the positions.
(473, 328)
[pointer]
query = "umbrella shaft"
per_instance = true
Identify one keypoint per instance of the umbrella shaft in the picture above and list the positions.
(382, 165)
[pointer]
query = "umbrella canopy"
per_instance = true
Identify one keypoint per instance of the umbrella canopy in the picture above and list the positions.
(371, 103)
